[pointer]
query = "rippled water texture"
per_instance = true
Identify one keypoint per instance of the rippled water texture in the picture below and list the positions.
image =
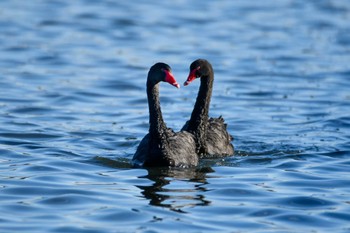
(73, 109)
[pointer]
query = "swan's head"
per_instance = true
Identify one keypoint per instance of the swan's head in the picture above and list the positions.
(161, 72)
(198, 69)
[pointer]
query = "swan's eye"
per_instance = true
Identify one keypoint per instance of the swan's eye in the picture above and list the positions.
(198, 73)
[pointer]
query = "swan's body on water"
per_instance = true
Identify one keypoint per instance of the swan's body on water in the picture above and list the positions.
(162, 146)
(212, 138)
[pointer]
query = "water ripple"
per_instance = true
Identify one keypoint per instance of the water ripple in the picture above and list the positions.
(73, 108)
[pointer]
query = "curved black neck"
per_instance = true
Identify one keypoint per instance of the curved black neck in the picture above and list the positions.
(200, 111)
(157, 126)
(200, 114)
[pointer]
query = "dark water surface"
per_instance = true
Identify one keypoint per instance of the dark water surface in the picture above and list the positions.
(73, 109)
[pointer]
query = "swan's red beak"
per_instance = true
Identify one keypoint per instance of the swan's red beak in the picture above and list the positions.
(169, 78)
(192, 76)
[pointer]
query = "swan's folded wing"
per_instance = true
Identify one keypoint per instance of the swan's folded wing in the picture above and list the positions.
(218, 139)
(183, 150)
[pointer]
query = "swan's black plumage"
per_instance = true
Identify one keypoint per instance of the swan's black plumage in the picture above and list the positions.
(162, 146)
(211, 136)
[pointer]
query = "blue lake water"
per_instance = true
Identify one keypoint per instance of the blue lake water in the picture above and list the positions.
(73, 109)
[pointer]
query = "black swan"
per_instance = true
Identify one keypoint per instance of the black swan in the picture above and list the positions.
(162, 146)
(212, 138)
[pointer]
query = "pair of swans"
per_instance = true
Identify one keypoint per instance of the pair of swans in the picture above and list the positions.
(200, 137)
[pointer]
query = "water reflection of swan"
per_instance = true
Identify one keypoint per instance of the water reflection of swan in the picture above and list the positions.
(178, 195)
